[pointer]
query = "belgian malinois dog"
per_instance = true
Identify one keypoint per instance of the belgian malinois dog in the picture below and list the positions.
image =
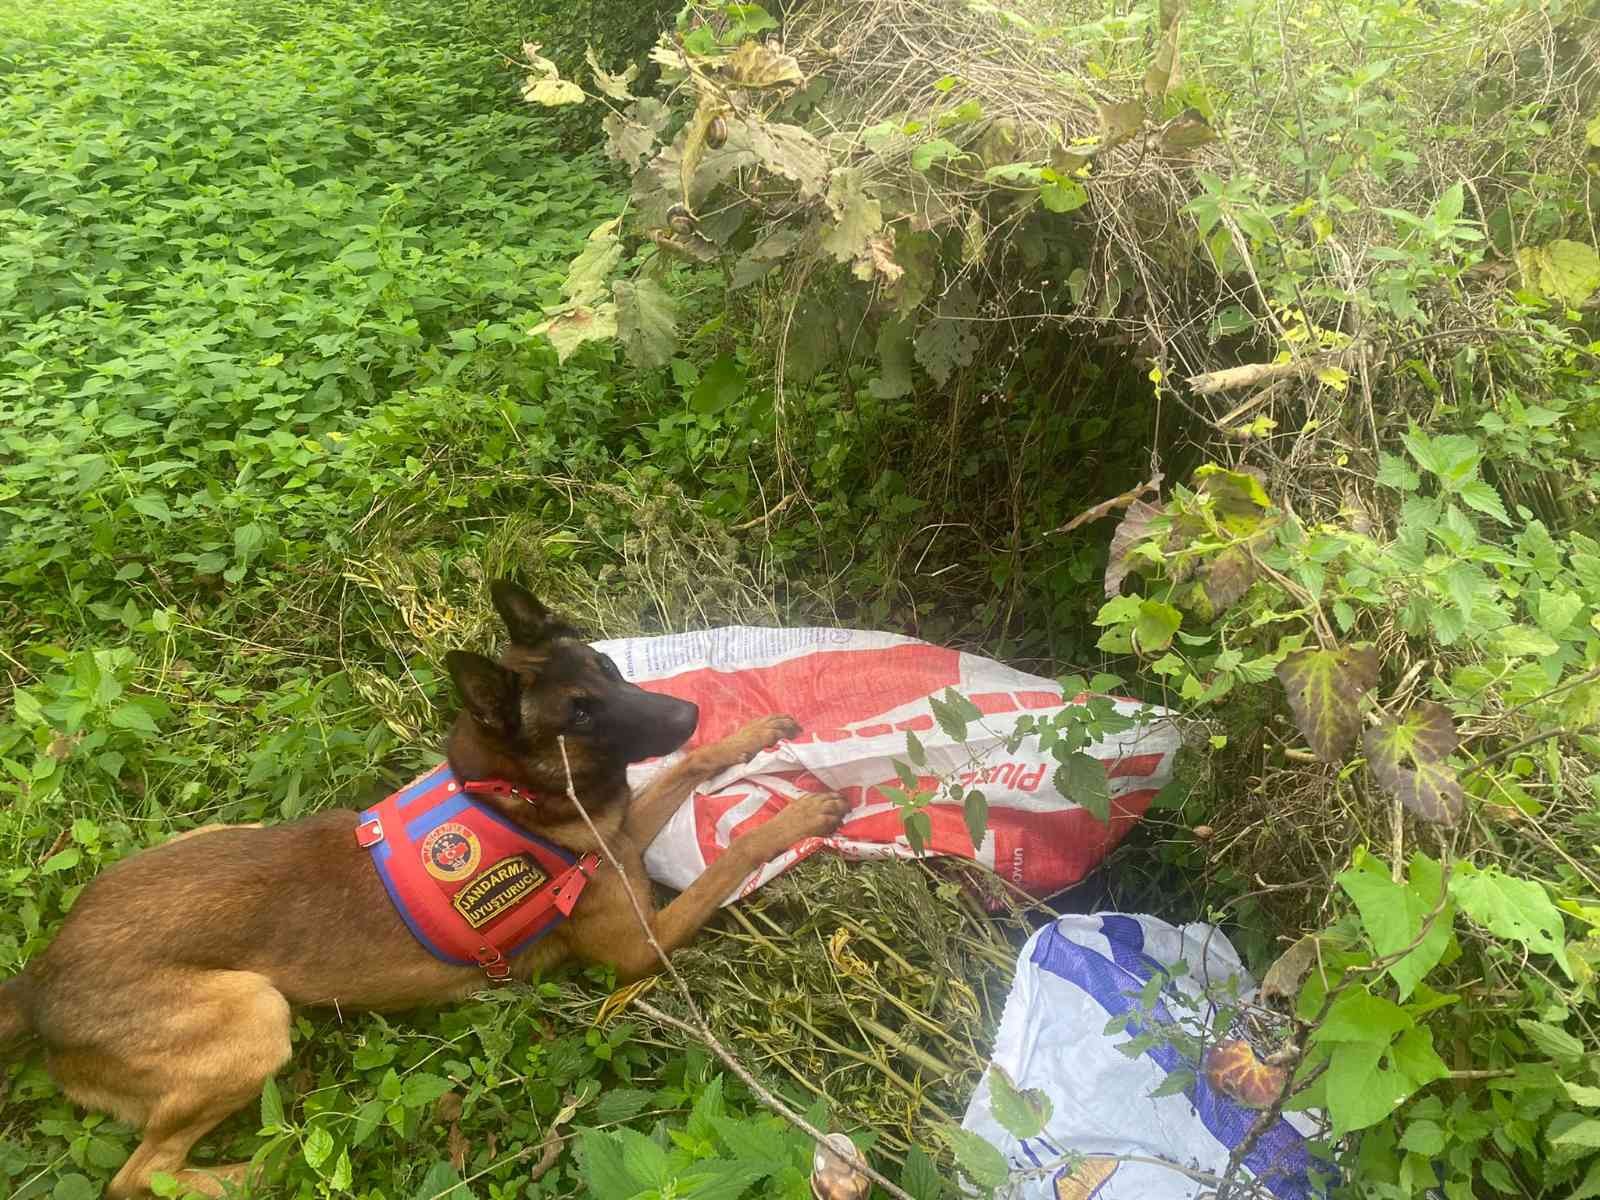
(165, 998)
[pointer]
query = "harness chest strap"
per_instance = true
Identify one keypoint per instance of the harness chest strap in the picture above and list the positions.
(472, 887)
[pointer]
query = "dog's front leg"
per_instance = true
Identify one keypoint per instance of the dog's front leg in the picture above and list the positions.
(654, 805)
(678, 922)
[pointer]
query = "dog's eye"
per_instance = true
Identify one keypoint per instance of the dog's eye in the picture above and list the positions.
(582, 714)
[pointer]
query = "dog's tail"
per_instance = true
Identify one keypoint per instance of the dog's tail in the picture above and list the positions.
(15, 1023)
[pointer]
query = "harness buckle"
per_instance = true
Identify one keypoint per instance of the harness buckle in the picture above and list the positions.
(369, 833)
(493, 964)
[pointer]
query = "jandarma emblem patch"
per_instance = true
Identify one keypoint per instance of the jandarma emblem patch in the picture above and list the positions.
(451, 852)
(497, 889)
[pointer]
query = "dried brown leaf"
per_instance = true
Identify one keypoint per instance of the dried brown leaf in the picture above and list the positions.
(1228, 577)
(1133, 528)
(757, 65)
(1119, 121)
(1106, 507)
(1281, 984)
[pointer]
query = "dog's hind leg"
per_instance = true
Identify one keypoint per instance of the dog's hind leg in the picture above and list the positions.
(221, 1035)
(653, 807)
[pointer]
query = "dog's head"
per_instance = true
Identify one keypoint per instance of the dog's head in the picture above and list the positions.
(550, 685)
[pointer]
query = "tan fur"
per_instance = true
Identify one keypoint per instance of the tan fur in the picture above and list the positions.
(165, 998)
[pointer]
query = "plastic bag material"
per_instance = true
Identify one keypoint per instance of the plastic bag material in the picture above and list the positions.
(1075, 977)
(855, 695)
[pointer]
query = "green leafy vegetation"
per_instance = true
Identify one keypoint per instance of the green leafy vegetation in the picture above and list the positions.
(850, 315)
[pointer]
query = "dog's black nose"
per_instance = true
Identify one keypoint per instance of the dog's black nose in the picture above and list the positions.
(685, 720)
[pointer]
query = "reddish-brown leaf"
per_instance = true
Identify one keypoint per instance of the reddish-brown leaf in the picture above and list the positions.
(1228, 578)
(1233, 1069)
(1133, 528)
(1407, 757)
(1325, 689)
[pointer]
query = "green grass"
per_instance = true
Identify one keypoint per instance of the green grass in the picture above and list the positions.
(269, 416)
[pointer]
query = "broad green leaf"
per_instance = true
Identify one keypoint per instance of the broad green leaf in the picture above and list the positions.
(1395, 472)
(919, 830)
(1023, 1114)
(930, 152)
(1423, 1137)
(1557, 611)
(1155, 627)
(642, 1158)
(1514, 641)
(1511, 908)
(443, 1182)
(759, 1140)
(61, 860)
(1392, 915)
(1553, 1041)
(979, 1161)
(949, 340)
(895, 350)
(1407, 757)
(73, 1186)
(1453, 458)
(1063, 195)
(135, 717)
(720, 385)
(646, 321)
(1414, 1056)
(1359, 1016)
(421, 1088)
(949, 718)
(1588, 1097)
(920, 1177)
(317, 1148)
(915, 750)
(617, 1105)
(1477, 494)
(1324, 688)
(1082, 780)
(1590, 1187)
(1584, 1135)
(975, 809)
(152, 505)
(271, 1105)
(1361, 1090)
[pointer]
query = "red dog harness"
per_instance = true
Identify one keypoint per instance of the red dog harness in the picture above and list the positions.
(472, 887)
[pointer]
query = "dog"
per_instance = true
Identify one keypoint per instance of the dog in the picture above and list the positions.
(165, 998)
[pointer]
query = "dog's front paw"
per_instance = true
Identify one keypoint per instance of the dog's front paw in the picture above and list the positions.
(755, 737)
(817, 815)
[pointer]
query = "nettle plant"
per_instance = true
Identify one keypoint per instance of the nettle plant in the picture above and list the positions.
(1442, 954)
(1065, 734)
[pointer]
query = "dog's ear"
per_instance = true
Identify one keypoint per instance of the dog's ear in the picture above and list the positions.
(488, 691)
(527, 621)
